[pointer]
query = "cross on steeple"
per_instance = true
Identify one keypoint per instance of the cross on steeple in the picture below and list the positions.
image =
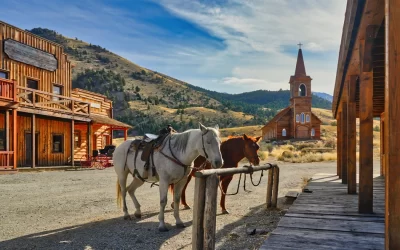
(299, 45)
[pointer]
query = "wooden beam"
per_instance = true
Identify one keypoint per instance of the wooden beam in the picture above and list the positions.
(210, 212)
(15, 125)
(339, 144)
(89, 139)
(351, 136)
(72, 143)
(382, 139)
(125, 134)
(344, 150)
(365, 48)
(53, 114)
(33, 133)
(392, 120)
(198, 213)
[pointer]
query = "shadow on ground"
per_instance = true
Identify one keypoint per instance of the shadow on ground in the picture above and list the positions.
(114, 233)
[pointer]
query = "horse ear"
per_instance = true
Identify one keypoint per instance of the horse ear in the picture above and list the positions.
(202, 127)
(245, 136)
(216, 127)
(258, 138)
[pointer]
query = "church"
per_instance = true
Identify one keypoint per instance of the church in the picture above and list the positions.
(296, 121)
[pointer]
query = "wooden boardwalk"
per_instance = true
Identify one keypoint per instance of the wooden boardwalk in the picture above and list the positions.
(328, 218)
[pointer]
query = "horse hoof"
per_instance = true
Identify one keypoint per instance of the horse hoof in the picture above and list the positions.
(127, 217)
(225, 211)
(163, 229)
(138, 216)
(186, 207)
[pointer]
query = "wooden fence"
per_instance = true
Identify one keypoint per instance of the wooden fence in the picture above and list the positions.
(205, 200)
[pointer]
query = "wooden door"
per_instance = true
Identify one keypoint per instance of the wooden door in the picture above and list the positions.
(302, 132)
(28, 149)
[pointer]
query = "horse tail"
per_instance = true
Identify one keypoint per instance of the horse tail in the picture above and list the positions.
(171, 188)
(119, 196)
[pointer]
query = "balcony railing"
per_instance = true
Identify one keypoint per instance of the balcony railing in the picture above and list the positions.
(36, 99)
(6, 159)
(8, 90)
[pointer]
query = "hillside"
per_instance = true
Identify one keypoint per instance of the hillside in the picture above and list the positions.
(148, 99)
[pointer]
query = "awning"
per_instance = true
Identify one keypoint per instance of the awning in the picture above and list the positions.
(105, 120)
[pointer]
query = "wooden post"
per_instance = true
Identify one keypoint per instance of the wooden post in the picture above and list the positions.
(344, 158)
(15, 118)
(8, 137)
(351, 137)
(125, 134)
(339, 144)
(198, 213)
(33, 133)
(210, 212)
(269, 187)
(89, 139)
(274, 201)
(392, 124)
(366, 190)
(73, 143)
(382, 139)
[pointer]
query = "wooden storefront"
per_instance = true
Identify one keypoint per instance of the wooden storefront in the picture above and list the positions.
(367, 86)
(38, 111)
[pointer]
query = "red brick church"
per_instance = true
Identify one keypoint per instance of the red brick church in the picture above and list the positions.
(295, 121)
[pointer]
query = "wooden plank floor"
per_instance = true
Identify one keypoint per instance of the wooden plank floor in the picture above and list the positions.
(328, 218)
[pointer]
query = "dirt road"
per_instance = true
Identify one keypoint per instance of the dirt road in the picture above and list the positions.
(77, 210)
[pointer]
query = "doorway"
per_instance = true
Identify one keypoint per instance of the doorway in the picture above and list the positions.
(28, 149)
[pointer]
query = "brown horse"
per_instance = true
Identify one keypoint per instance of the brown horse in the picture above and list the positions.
(233, 151)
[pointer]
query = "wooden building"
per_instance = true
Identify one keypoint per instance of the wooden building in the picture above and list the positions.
(38, 108)
(367, 86)
(296, 121)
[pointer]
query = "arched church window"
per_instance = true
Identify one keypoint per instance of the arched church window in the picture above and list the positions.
(312, 132)
(302, 117)
(308, 118)
(297, 118)
(302, 90)
(283, 132)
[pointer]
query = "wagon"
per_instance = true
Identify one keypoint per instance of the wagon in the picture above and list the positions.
(100, 159)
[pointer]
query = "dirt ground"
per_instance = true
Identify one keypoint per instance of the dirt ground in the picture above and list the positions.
(77, 210)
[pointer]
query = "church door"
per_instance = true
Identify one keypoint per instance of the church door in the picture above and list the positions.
(302, 132)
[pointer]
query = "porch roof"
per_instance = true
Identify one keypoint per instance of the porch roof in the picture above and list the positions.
(105, 120)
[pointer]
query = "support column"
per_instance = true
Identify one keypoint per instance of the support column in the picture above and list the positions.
(89, 139)
(392, 124)
(382, 139)
(72, 143)
(339, 144)
(351, 137)
(33, 133)
(344, 150)
(15, 138)
(125, 134)
(8, 137)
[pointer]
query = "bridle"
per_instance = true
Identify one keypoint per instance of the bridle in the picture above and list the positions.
(202, 141)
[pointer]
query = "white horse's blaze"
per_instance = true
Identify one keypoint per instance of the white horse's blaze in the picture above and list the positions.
(189, 145)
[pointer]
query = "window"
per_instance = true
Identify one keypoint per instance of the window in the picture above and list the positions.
(2, 139)
(297, 118)
(57, 89)
(3, 75)
(58, 143)
(302, 117)
(308, 118)
(32, 84)
(77, 139)
(302, 90)
(312, 132)
(283, 132)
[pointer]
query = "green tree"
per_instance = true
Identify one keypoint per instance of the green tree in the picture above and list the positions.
(137, 89)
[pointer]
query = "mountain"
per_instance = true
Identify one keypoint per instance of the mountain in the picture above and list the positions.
(149, 100)
(325, 96)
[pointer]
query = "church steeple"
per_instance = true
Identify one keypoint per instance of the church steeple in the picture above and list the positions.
(300, 68)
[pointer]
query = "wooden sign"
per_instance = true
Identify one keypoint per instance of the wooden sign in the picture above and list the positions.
(26, 54)
(94, 105)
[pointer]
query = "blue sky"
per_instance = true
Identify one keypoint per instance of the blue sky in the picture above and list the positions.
(230, 46)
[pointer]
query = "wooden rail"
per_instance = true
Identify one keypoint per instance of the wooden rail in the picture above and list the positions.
(6, 159)
(8, 90)
(205, 200)
(37, 99)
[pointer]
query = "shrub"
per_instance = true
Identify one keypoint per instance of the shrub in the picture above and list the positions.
(334, 123)
(377, 128)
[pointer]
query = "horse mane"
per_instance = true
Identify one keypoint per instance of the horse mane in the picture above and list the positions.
(181, 139)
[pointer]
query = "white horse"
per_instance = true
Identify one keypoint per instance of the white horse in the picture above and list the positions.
(173, 164)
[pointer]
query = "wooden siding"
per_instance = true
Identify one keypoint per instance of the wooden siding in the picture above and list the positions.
(21, 72)
(46, 128)
(97, 99)
(98, 131)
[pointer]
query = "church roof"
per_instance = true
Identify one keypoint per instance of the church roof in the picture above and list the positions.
(278, 116)
(300, 68)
